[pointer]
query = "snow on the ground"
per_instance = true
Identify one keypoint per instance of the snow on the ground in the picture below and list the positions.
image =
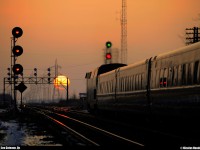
(13, 133)
(18, 134)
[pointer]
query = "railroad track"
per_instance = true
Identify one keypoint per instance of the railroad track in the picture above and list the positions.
(98, 131)
(83, 133)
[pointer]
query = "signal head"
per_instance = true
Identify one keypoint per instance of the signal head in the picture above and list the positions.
(17, 69)
(108, 44)
(17, 32)
(17, 50)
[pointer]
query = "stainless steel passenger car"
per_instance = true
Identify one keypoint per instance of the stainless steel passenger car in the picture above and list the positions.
(166, 84)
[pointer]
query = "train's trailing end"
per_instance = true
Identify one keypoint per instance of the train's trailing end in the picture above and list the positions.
(103, 69)
(92, 82)
(166, 84)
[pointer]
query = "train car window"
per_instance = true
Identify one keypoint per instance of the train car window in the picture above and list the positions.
(196, 67)
(183, 77)
(88, 75)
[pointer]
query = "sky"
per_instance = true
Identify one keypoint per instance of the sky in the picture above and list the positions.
(74, 33)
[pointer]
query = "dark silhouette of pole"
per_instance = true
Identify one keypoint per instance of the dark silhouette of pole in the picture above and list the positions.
(14, 84)
(67, 90)
(4, 92)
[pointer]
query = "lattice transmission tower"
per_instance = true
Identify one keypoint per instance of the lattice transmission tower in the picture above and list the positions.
(124, 32)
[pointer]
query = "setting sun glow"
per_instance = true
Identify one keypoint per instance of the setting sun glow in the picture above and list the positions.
(61, 82)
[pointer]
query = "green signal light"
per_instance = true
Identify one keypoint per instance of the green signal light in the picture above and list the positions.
(108, 44)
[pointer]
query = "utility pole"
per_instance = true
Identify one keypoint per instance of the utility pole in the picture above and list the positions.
(124, 32)
(192, 35)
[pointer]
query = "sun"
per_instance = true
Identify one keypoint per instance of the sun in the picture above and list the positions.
(61, 82)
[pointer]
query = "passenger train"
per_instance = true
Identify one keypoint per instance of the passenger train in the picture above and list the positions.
(166, 84)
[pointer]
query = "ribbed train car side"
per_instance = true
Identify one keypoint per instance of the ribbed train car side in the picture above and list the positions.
(124, 89)
(167, 84)
(175, 82)
(92, 83)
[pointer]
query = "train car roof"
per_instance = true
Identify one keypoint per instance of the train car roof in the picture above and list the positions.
(178, 51)
(109, 67)
(139, 63)
(103, 69)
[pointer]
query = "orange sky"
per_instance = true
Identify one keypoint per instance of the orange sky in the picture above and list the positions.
(75, 31)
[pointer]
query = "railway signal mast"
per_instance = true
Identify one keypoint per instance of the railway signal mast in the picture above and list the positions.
(16, 68)
(108, 53)
(124, 33)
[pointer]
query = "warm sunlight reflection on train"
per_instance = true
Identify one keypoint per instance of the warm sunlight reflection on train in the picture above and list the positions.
(61, 82)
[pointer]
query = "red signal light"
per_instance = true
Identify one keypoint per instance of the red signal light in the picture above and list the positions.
(108, 56)
(17, 69)
(17, 32)
(17, 50)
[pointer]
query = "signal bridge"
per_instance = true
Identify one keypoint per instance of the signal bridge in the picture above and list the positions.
(31, 80)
